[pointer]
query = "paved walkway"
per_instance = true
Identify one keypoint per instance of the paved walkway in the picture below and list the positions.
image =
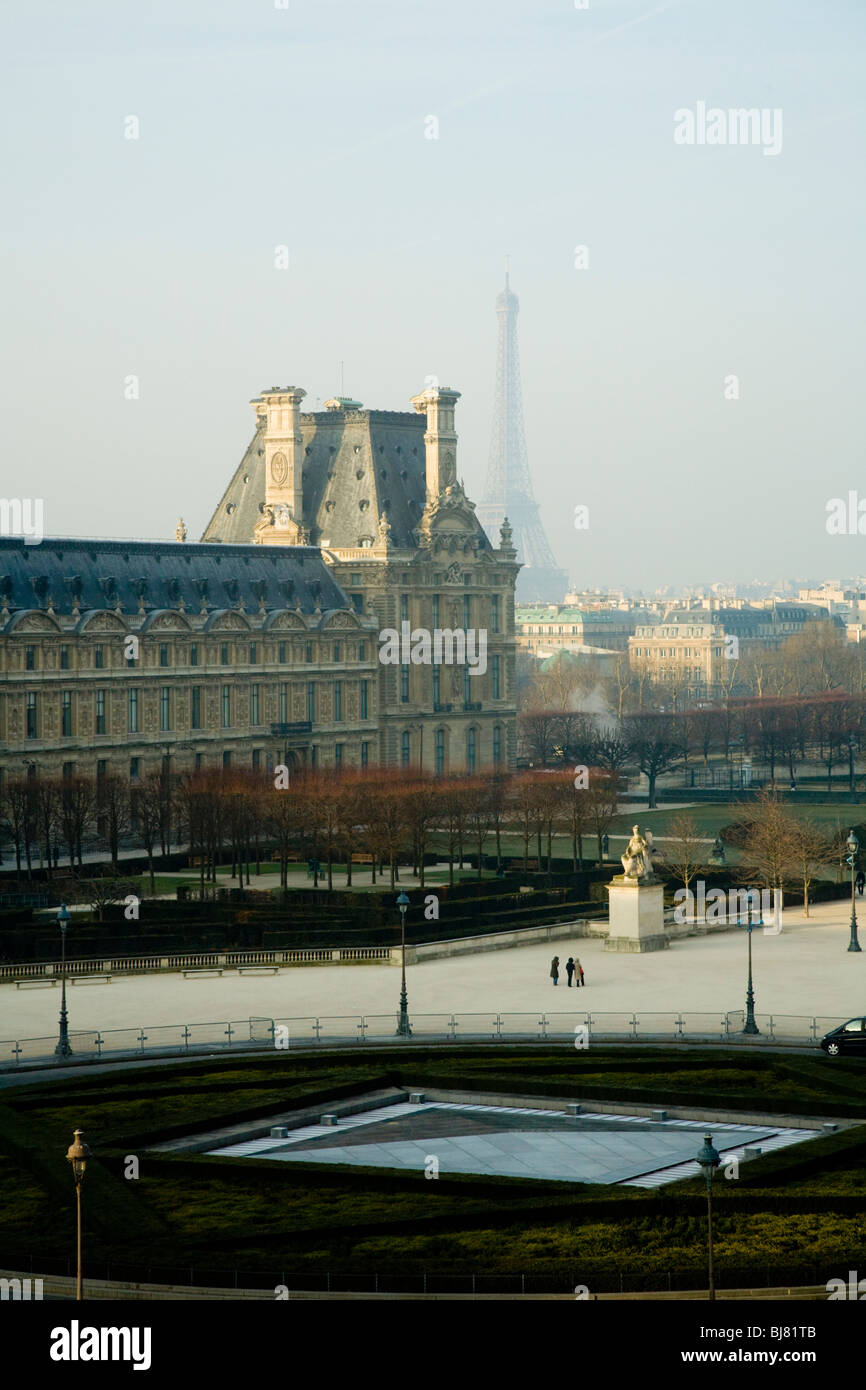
(805, 970)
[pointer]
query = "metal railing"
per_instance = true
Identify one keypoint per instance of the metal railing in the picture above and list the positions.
(577, 1029)
(192, 960)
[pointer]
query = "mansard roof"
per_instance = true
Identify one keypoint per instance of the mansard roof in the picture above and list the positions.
(100, 574)
(357, 465)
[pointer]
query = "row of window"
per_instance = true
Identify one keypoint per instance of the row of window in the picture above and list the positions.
(495, 612)
(440, 748)
(229, 654)
(470, 683)
(166, 702)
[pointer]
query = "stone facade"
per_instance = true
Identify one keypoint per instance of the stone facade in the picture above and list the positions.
(377, 492)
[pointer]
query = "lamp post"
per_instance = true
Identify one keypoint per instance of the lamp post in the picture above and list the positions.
(852, 844)
(63, 1049)
(709, 1159)
(78, 1154)
(749, 925)
(403, 1029)
(851, 745)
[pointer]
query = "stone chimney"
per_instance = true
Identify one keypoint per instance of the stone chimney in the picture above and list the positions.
(284, 454)
(440, 438)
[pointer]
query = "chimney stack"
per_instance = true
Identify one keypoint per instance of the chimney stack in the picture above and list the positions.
(284, 453)
(440, 438)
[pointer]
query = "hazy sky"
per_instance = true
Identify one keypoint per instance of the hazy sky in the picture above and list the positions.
(305, 126)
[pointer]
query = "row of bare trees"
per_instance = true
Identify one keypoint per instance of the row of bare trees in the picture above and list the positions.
(384, 818)
(781, 733)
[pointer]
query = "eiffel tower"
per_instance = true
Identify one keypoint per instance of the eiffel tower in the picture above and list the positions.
(508, 492)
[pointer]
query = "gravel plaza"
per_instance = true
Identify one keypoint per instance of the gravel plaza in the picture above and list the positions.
(806, 970)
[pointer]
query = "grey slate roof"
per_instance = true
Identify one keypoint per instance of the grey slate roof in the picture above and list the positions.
(358, 463)
(102, 572)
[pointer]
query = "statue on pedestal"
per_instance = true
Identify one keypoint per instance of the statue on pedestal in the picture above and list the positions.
(637, 865)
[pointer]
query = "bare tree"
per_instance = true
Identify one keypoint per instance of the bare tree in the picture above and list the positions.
(684, 851)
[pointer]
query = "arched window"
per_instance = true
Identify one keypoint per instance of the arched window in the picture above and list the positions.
(470, 750)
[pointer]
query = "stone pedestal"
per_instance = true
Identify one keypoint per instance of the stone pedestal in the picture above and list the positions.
(636, 916)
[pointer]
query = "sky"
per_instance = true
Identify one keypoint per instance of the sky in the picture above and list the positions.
(309, 127)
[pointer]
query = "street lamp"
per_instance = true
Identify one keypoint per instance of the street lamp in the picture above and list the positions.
(749, 925)
(63, 1049)
(709, 1159)
(403, 1029)
(78, 1154)
(852, 844)
(851, 746)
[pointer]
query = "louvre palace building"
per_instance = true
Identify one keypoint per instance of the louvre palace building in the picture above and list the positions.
(262, 643)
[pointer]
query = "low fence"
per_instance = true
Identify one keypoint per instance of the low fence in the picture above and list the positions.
(577, 1029)
(192, 960)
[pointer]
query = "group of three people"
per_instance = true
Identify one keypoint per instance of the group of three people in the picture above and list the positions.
(572, 968)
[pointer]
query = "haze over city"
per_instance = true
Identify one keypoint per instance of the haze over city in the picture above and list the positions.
(309, 128)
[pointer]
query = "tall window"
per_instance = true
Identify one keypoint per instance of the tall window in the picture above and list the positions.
(497, 743)
(338, 701)
(338, 755)
(437, 687)
(253, 653)
(336, 651)
(98, 656)
(224, 654)
(404, 608)
(163, 653)
(64, 658)
(254, 705)
(132, 711)
(440, 750)
(467, 611)
(100, 712)
(470, 750)
(311, 701)
(257, 759)
(282, 653)
(494, 677)
(365, 713)
(308, 653)
(226, 706)
(66, 714)
(134, 769)
(467, 685)
(405, 748)
(31, 715)
(30, 658)
(193, 654)
(435, 610)
(165, 708)
(494, 613)
(284, 704)
(227, 758)
(195, 710)
(365, 752)
(404, 685)
(362, 651)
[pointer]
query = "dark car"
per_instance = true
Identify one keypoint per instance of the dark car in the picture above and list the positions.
(849, 1038)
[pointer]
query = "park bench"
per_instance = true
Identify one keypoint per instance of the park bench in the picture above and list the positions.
(258, 969)
(362, 858)
(201, 970)
(34, 984)
(99, 979)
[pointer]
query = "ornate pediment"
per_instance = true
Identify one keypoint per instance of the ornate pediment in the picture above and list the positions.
(449, 515)
(227, 620)
(166, 620)
(283, 620)
(101, 621)
(278, 527)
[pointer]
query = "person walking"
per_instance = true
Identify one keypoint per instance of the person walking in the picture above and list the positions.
(578, 970)
(569, 970)
(861, 882)
(554, 970)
